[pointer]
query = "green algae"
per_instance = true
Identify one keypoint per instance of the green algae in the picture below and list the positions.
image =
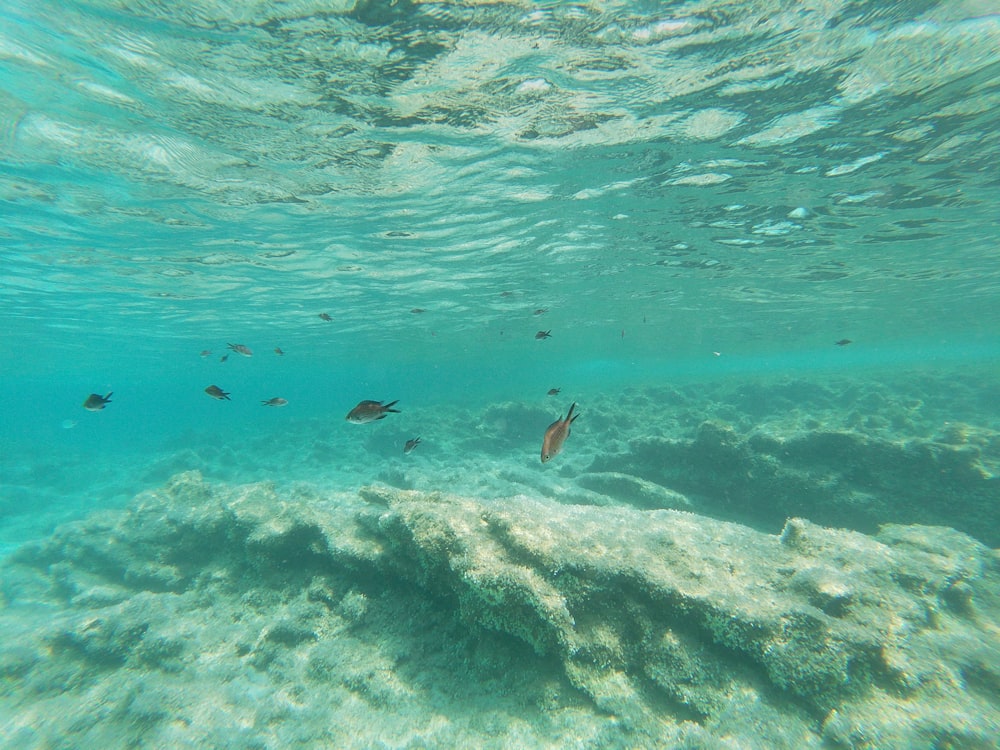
(643, 627)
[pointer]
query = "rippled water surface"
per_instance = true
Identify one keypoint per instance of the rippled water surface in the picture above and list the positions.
(743, 175)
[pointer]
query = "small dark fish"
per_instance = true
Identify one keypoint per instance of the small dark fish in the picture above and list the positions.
(411, 444)
(224, 357)
(623, 333)
(215, 392)
(541, 311)
(369, 411)
(276, 401)
(417, 310)
(277, 350)
(324, 316)
(96, 402)
(556, 435)
(240, 349)
(206, 352)
(544, 334)
(554, 391)
(843, 342)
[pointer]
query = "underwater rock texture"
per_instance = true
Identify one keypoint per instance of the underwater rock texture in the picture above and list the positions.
(235, 617)
(834, 477)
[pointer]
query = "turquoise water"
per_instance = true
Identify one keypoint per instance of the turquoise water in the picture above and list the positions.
(697, 199)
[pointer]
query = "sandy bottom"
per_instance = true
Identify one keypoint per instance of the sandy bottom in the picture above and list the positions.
(314, 586)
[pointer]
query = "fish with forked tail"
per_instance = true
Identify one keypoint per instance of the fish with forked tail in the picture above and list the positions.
(276, 401)
(411, 444)
(240, 349)
(96, 402)
(215, 392)
(556, 435)
(369, 411)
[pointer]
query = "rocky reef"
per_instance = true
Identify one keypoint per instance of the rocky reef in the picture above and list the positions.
(212, 615)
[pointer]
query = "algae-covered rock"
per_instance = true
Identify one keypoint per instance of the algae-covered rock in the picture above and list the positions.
(841, 477)
(550, 623)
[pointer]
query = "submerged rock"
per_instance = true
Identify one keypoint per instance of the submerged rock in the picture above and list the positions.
(612, 626)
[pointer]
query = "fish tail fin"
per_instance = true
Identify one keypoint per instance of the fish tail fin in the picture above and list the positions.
(108, 397)
(570, 416)
(388, 407)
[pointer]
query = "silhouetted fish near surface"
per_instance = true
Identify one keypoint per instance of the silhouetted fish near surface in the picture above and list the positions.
(556, 435)
(411, 444)
(369, 411)
(544, 334)
(541, 311)
(324, 316)
(206, 352)
(277, 350)
(418, 310)
(554, 391)
(240, 349)
(215, 392)
(96, 402)
(224, 357)
(843, 342)
(276, 401)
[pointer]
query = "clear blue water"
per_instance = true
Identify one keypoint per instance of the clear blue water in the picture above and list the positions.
(681, 192)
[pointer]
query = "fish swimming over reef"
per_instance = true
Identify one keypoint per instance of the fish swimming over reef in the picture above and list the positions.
(278, 351)
(325, 316)
(843, 342)
(276, 401)
(240, 349)
(411, 444)
(544, 335)
(96, 402)
(369, 411)
(556, 435)
(554, 391)
(215, 392)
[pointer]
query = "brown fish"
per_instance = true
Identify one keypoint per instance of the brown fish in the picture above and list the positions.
(411, 444)
(541, 311)
(324, 316)
(276, 401)
(843, 342)
(556, 435)
(544, 334)
(277, 350)
(240, 349)
(554, 391)
(369, 411)
(96, 402)
(206, 352)
(215, 392)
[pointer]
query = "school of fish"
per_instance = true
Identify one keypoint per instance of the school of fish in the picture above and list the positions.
(368, 410)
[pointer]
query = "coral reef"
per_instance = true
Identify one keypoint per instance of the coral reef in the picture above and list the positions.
(247, 616)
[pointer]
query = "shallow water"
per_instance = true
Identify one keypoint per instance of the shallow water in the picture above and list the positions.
(698, 201)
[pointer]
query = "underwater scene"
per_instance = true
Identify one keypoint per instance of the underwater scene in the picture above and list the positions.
(500, 374)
